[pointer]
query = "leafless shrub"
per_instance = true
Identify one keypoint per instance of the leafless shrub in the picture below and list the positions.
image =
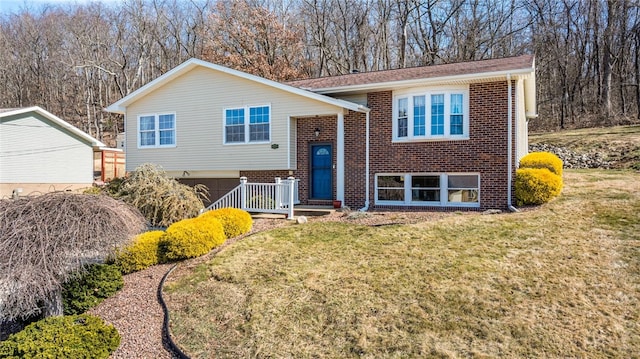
(160, 198)
(44, 239)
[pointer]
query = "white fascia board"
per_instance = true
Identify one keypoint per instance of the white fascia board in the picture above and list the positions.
(58, 121)
(120, 106)
(497, 75)
(112, 149)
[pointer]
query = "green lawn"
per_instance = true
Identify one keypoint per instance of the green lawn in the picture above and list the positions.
(560, 280)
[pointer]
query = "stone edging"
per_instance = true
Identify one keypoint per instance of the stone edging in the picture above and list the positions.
(167, 340)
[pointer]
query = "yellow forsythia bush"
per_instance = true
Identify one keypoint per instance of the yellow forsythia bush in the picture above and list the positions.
(192, 237)
(542, 160)
(142, 253)
(234, 221)
(536, 185)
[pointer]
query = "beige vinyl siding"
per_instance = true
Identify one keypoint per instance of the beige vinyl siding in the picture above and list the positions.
(522, 135)
(198, 99)
(34, 150)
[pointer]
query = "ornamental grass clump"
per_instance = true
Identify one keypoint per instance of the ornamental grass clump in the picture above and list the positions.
(143, 252)
(192, 237)
(542, 160)
(234, 221)
(74, 336)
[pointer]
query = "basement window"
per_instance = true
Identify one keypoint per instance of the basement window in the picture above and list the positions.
(428, 189)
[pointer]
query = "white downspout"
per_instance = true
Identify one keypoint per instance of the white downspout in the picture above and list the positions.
(366, 166)
(340, 157)
(509, 144)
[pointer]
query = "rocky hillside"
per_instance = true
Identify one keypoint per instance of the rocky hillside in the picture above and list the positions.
(608, 147)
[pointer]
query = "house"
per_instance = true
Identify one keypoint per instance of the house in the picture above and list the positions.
(40, 153)
(445, 136)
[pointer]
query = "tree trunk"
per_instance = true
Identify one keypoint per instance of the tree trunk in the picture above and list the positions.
(607, 59)
(53, 304)
(637, 66)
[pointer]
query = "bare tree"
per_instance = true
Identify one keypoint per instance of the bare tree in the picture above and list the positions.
(608, 56)
(76, 59)
(251, 39)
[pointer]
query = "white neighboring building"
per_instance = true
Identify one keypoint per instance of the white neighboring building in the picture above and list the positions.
(39, 152)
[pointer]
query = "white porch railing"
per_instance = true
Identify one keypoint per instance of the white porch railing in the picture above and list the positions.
(262, 197)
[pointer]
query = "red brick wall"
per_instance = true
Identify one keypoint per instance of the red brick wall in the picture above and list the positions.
(485, 152)
(354, 153)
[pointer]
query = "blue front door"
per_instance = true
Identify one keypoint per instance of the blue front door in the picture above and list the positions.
(321, 172)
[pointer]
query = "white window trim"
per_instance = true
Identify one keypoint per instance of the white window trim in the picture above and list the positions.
(447, 91)
(247, 133)
(156, 117)
(444, 191)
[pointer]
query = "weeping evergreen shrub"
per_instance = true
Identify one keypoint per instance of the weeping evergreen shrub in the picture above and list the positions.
(162, 200)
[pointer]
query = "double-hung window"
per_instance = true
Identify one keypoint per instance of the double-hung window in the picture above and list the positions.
(402, 117)
(431, 115)
(234, 125)
(428, 189)
(249, 124)
(157, 130)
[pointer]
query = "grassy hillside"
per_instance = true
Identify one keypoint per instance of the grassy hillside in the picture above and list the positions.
(620, 144)
(558, 281)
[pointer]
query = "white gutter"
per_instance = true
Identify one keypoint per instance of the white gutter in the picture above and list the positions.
(366, 167)
(509, 144)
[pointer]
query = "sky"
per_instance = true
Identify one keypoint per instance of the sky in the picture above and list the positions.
(12, 6)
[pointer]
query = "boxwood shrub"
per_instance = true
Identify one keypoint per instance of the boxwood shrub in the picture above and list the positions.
(542, 160)
(142, 253)
(192, 237)
(536, 185)
(234, 221)
(88, 288)
(74, 336)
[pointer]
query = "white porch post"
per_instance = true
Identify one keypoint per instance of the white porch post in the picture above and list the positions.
(292, 183)
(340, 158)
(278, 193)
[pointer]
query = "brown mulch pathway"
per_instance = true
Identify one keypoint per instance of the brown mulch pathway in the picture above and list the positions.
(135, 310)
